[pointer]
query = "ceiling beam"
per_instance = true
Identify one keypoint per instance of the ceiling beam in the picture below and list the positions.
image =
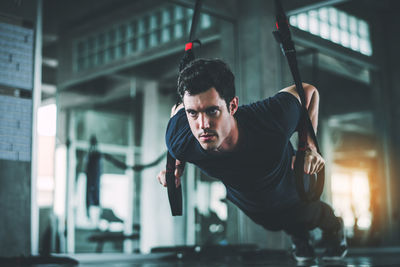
(295, 7)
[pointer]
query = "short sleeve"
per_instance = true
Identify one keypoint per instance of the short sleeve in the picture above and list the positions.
(288, 111)
(179, 139)
(279, 113)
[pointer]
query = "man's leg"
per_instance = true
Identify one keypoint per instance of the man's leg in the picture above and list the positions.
(302, 249)
(333, 234)
(299, 231)
(307, 216)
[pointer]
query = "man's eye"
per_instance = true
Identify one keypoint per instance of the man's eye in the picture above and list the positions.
(192, 113)
(212, 112)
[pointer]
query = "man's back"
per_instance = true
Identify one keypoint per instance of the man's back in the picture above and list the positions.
(257, 173)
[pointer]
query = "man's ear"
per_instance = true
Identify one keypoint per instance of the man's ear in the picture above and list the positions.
(233, 105)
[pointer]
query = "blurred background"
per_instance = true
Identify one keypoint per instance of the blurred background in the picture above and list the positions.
(86, 89)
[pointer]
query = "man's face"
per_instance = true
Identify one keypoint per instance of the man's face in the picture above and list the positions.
(209, 119)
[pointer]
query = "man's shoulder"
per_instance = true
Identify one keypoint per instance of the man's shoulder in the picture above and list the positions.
(179, 138)
(282, 97)
(268, 113)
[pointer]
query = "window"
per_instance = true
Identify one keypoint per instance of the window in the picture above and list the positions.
(143, 32)
(336, 26)
(351, 198)
(46, 129)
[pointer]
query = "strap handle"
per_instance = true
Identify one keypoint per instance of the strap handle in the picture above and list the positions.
(313, 182)
(175, 193)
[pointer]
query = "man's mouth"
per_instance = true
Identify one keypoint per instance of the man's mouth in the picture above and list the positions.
(207, 137)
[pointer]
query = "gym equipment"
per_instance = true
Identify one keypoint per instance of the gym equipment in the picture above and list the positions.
(314, 183)
(175, 193)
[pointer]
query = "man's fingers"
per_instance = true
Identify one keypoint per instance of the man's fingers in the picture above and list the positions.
(313, 169)
(317, 166)
(307, 165)
(293, 161)
(314, 165)
(321, 166)
(179, 168)
(178, 173)
(161, 178)
(177, 181)
(313, 162)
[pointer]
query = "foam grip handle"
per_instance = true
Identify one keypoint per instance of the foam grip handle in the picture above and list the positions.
(174, 193)
(309, 187)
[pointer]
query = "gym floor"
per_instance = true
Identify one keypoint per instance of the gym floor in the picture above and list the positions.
(216, 257)
(364, 258)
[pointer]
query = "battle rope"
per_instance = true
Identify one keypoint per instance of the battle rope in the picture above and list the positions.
(175, 193)
(315, 183)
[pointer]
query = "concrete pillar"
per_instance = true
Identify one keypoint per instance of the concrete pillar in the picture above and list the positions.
(393, 70)
(158, 227)
(386, 96)
(19, 214)
(259, 77)
(258, 51)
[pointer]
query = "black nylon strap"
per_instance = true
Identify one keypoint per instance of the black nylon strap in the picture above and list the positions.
(195, 19)
(305, 128)
(175, 193)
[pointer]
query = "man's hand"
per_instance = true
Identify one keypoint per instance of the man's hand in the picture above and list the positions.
(313, 161)
(179, 167)
(175, 109)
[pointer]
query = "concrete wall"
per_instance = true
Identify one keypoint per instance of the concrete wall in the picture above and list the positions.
(158, 227)
(15, 208)
(15, 176)
(393, 41)
(386, 99)
(258, 76)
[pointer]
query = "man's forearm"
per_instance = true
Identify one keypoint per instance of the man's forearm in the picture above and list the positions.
(312, 99)
(312, 105)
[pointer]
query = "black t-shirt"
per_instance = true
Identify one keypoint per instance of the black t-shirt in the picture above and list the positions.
(258, 175)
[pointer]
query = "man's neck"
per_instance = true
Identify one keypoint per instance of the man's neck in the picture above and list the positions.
(231, 142)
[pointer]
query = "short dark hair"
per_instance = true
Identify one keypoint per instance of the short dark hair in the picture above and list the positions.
(203, 74)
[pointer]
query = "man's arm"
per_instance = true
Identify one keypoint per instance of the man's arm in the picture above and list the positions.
(312, 101)
(179, 165)
(175, 109)
(313, 160)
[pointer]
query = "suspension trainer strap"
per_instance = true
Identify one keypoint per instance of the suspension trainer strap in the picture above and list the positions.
(175, 193)
(305, 128)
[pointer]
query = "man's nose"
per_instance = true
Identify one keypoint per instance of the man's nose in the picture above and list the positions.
(204, 121)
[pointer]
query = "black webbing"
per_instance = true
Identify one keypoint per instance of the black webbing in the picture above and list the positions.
(175, 193)
(314, 183)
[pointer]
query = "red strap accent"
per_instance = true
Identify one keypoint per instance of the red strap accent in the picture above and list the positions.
(277, 25)
(302, 148)
(188, 46)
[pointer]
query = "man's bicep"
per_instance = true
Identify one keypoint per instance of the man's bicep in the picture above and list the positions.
(292, 90)
(309, 91)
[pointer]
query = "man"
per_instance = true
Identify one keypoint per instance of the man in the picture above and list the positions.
(248, 149)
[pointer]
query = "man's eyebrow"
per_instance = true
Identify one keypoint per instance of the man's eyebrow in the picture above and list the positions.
(212, 108)
(207, 109)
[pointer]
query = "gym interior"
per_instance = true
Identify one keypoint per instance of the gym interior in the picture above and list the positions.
(84, 76)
